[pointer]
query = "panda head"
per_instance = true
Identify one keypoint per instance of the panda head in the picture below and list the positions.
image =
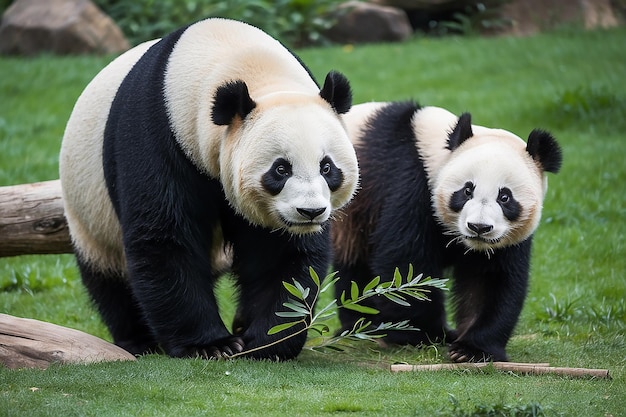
(489, 193)
(286, 162)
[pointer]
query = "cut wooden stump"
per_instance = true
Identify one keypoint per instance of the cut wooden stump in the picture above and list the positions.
(32, 220)
(28, 343)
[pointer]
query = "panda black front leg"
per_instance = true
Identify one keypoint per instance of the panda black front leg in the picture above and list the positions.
(488, 294)
(282, 258)
(173, 287)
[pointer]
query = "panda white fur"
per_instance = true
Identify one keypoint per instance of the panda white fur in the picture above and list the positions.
(438, 192)
(212, 147)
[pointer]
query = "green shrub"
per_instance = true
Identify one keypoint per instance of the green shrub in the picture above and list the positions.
(294, 22)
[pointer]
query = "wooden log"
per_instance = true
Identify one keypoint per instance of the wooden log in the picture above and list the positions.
(28, 343)
(522, 368)
(32, 220)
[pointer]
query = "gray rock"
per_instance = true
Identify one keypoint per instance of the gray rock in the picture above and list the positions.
(62, 27)
(367, 23)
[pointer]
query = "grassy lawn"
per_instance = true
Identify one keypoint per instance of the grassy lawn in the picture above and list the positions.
(568, 82)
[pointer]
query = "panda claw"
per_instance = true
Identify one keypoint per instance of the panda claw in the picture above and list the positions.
(458, 354)
(223, 349)
(237, 345)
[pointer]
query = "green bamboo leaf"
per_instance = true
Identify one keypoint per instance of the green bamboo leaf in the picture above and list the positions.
(361, 326)
(325, 310)
(367, 336)
(320, 328)
(314, 276)
(383, 286)
(361, 309)
(442, 284)
(281, 327)
(325, 315)
(306, 292)
(295, 306)
(417, 279)
(397, 299)
(330, 283)
(290, 314)
(397, 278)
(293, 290)
(354, 291)
(418, 295)
(372, 284)
(300, 288)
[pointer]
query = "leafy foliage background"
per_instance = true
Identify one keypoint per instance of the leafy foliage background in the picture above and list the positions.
(294, 22)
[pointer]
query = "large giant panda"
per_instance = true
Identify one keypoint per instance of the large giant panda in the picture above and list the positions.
(211, 148)
(438, 192)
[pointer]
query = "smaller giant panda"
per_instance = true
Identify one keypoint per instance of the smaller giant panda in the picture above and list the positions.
(438, 192)
(212, 148)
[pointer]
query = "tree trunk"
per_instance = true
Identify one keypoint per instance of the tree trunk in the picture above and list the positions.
(32, 220)
(27, 343)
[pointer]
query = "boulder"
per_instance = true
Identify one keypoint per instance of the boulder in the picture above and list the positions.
(360, 22)
(62, 27)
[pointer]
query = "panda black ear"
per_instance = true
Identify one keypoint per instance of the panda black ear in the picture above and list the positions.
(337, 92)
(544, 149)
(461, 132)
(231, 99)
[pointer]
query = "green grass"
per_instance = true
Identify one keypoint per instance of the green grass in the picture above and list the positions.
(569, 82)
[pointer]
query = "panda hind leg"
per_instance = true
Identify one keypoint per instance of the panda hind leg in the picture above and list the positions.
(427, 316)
(112, 296)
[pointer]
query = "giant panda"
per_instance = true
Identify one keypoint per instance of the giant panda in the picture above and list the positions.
(445, 196)
(211, 149)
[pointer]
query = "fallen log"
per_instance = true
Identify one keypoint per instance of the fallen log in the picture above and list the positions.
(521, 368)
(28, 343)
(32, 220)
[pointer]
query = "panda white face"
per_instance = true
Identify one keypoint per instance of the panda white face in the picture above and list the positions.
(489, 194)
(289, 165)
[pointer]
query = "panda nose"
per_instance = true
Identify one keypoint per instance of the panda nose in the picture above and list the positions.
(479, 228)
(311, 213)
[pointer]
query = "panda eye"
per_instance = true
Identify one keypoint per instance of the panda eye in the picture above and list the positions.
(331, 173)
(282, 170)
(277, 176)
(504, 196)
(468, 191)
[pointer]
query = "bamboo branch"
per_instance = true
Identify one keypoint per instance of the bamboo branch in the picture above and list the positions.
(522, 368)
(32, 220)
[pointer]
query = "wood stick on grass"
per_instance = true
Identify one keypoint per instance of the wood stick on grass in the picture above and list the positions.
(521, 368)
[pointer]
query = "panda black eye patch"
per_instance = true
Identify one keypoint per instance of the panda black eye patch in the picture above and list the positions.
(275, 178)
(462, 196)
(511, 208)
(332, 174)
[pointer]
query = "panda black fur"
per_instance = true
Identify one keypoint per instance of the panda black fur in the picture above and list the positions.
(437, 192)
(210, 149)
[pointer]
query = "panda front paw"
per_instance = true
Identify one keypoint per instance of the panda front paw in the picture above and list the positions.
(461, 352)
(218, 349)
